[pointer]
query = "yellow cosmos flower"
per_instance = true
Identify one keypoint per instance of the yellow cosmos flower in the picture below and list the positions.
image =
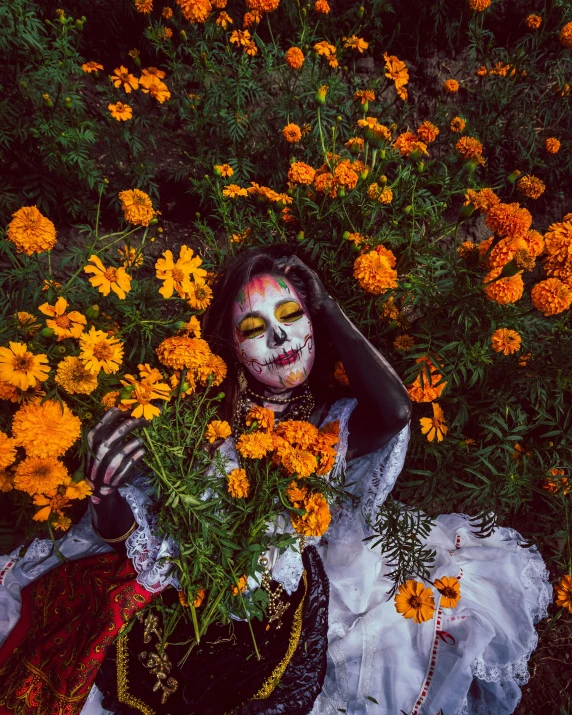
(506, 341)
(64, 325)
(7, 450)
(100, 351)
(434, 426)
(107, 279)
(238, 484)
(120, 111)
(176, 275)
(21, 368)
(142, 392)
(199, 296)
(45, 429)
(91, 67)
(31, 232)
(137, 207)
(74, 377)
(217, 429)
(121, 76)
(415, 601)
(564, 593)
(450, 590)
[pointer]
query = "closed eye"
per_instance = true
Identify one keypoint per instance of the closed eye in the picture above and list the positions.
(289, 311)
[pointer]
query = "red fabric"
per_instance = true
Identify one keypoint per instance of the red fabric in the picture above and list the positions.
(69, 618)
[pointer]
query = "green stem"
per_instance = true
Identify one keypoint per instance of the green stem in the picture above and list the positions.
(59, 554)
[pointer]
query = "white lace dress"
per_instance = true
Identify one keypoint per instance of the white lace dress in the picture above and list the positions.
(466, 661)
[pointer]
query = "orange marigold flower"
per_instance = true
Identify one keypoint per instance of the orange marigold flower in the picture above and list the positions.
(46, 429)
(415, 601)
(533, 22)
(7, 450)
(234, 191)
(122, 76)
(364, 96)
(180, 352)
(564, 587)
(450, 590)
(109, 400)
(404, 342)
(219, 4)
(238, 484)
(263, 417)
(292, 133)
(344, 175)
(466, 249)
(167, 13)
(263, 5)
(144, 6)
(423, 390)
(301, 173)
(396, 70)
(241, 586)
(531, 186)
(551, 296)
(505, 290)
(224, 19)
(355, 145)
(30, 231)
(74, 377)
(470, 148)
(479, 5)
(195, 10)
(316, 520)
(340, 374)
(555, 486)
(121, 112)
(504, 251)
(322, 7)
(137, 207)
(218, 429)
(295, 58)
(434, 426)
(451, 86)
(506, 341)
(407, 143)
(297, 494)
(427, 132)
(40, 475)
(355, 43)
(298, 433)
(64, 325)
(458, 124)
(566, 36)
(254, 445)
(91, 67)
(483, 199)
(534, 242)
(299, 462)
(552, 145)
(325, 49)
(253, 17)
(509, 220)
(152, 83)
(374, 273)
(558, 240)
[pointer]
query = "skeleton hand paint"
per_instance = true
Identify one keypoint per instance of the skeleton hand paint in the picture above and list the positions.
(273, 334)
(111, 461)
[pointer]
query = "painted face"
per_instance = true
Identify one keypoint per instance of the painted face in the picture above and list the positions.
(273, 335)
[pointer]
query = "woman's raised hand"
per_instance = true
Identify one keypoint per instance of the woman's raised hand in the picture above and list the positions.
(111, 459)
(317, 294)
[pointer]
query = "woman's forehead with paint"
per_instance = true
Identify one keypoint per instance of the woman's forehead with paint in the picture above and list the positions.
(263, 289)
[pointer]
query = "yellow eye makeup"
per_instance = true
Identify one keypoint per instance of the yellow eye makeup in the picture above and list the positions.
(252, 326)
(288, 312)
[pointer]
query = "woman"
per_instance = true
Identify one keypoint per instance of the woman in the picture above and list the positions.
(270, 318)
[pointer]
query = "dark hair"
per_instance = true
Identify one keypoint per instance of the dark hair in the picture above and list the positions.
(218, 326)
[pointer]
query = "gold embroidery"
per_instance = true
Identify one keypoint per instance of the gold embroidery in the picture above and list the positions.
(123, 694)
(274, 678)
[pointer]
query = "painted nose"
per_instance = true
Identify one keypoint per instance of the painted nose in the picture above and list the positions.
(279, 337)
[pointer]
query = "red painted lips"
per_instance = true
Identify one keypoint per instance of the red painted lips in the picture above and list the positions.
(286, 358)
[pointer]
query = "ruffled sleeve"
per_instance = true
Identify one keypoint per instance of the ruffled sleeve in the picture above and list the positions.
(369, 478)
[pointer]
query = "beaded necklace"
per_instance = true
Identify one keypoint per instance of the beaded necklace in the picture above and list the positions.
(300, 407)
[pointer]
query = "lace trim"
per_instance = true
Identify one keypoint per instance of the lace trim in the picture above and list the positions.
(340, 410)
(149, 553)
(518, 669)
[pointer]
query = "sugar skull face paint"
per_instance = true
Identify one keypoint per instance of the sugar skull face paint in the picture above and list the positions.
(273, 334)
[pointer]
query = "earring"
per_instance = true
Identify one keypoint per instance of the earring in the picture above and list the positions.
(242, 382)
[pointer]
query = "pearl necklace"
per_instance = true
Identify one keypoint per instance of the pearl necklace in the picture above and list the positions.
(301, 411)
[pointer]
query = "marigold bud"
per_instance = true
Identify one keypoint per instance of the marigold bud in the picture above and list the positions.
(514, 176)
(382, 179)
(466, 211)
(183, 35)
(364, 174)
(346, 235)
(125, 393)
(421, 167)
(61, 350)
(47, 332)
(153, 221)
(408, 209)
(92, 312)
(361, 12)
(341, 191)
(300, 236)
(68, 102)
(321, 95)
